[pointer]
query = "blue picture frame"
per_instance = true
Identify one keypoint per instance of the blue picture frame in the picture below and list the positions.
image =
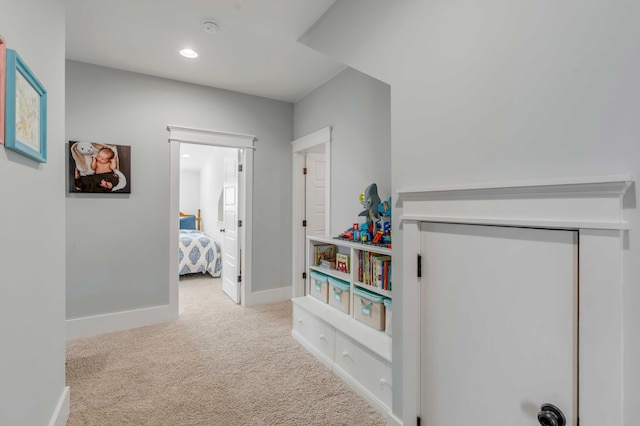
(25, 110)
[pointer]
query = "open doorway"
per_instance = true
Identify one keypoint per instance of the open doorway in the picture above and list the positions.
(311, 198)
(234, 218)
(206, 194)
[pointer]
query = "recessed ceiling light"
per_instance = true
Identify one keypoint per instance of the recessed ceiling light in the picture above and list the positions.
(186, 156)
(189, 53)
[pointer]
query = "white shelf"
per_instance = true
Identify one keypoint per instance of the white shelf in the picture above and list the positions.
(353, 248)
(332, 272)
(375, 341)
(377, 290)
(350, 244)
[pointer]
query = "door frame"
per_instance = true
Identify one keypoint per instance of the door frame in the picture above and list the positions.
(318, 141)
(593, 206)
(245, 143)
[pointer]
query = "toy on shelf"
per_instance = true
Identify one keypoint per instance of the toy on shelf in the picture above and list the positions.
(376, 229)
(370, 200)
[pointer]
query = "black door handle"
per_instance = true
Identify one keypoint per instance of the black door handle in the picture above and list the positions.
(550, 415)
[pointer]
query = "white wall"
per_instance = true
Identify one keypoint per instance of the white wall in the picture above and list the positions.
(505, 91)
(124, 266)
(189, 191)
(32, 234)
(357, 108)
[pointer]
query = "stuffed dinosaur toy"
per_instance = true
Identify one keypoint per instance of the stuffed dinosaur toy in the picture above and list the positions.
(370, 200)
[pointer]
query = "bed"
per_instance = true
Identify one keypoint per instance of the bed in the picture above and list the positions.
(198, 252)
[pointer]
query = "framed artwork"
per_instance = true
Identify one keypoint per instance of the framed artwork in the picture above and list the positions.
(96, 167)
(3, 70)
(26, 110)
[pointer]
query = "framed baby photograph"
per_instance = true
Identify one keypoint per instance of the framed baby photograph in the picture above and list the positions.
(96, 167)
(25, 127)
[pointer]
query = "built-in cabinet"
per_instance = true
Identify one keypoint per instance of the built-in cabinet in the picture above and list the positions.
(354, 350)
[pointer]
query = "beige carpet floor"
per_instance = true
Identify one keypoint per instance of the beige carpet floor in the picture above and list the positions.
(219, 364)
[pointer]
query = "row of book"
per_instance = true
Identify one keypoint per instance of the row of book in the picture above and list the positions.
(374, 269)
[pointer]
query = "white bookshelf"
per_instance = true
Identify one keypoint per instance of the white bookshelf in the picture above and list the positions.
(357, 352)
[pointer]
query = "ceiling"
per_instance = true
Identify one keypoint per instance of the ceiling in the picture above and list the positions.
(193, 156)
(254, 50)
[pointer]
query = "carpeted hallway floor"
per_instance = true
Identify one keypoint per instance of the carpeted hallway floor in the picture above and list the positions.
(219, 364)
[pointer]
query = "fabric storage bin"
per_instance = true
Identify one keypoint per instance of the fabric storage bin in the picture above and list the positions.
(339, 294)
(320, 286)
(368, 308)
(387, 316)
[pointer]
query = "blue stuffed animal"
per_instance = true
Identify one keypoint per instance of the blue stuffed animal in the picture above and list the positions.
(370, 200)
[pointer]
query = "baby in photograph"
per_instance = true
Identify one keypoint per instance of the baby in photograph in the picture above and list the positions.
(103, 165)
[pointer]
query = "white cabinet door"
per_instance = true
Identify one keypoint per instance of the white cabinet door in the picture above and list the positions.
(498, 324)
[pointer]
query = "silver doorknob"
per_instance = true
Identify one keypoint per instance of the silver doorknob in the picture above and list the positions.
(550, 415)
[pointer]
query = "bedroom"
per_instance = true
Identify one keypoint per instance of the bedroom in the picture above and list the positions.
(201, 204)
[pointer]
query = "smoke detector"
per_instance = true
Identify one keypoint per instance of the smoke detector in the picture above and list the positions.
(210, 26)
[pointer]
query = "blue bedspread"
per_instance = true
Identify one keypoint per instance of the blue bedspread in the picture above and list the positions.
(198, 253)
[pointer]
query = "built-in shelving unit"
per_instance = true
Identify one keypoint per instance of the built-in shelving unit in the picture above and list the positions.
(356, 351)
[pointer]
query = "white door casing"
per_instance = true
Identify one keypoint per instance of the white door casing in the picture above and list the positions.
(231, 269)
(498, 323)
(244, 143)
(318, 142)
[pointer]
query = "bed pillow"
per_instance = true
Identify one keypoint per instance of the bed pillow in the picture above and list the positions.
(188, 222)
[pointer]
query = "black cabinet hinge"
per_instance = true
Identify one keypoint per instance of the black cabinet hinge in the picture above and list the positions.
(418, 422)
(304, 223)
(239, 167)
(239, 278)
(419, 265)
(304, 275)
(240, 224)
(304, 170)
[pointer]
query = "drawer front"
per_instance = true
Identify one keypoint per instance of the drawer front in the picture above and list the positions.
(316, 332)
(366, 368)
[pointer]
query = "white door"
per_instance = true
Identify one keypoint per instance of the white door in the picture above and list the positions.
(315, 193)
(498, 324)
(231, 269)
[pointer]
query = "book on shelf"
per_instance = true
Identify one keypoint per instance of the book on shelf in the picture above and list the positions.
(324, 252)
(342, 262)
(327, 264)
(374, 269)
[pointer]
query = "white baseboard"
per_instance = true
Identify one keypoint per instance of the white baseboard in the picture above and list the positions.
(268, 296)
(89, 326)
(61, 413)
(393, 420)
